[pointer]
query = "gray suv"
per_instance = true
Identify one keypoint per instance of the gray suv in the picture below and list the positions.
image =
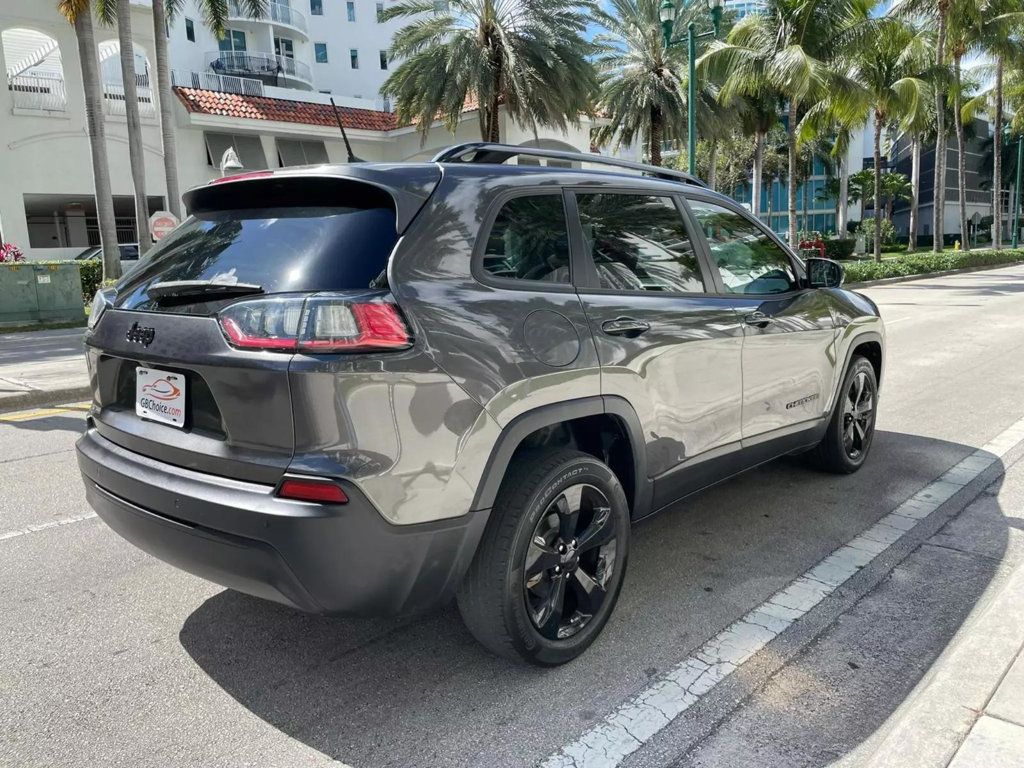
(367, 389)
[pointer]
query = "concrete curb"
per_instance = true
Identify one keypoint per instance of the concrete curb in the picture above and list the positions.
(43, 398)
(927, 275)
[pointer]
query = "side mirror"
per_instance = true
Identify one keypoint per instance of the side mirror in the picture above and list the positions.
(824, 273)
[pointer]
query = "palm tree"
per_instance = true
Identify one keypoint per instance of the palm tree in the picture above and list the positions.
(889, 69)
(108, 11)
(916, 124)
(997, 32)
(963, 20)
(895, 186)
(643, 82)
(79, 13)
(528, 56)
(791, 48)
(937, 11)
(760, 115)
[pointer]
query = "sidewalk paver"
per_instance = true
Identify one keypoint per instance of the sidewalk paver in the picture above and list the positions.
(1008, 702)
(991, 743)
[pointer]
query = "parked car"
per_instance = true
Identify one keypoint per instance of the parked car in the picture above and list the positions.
(365, 389)
(129, 256)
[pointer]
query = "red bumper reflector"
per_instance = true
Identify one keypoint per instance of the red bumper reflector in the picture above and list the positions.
(321, 491)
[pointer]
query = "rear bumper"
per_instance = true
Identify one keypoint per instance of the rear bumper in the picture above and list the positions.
(319, 558)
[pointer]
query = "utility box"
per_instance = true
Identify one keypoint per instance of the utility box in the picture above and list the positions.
(40, 293)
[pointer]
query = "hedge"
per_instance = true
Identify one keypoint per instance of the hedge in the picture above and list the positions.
(840, 249)
(924, 263)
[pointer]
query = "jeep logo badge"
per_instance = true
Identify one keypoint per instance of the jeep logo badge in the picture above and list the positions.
(139, 334)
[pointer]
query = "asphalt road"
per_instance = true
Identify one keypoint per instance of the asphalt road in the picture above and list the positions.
(110, 658)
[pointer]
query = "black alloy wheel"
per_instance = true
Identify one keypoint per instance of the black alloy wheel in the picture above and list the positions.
(569, 562)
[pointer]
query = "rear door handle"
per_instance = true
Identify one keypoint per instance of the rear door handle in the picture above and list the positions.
(625, 326)
(758, 319)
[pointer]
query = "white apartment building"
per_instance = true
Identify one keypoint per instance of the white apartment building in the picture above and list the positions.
(332, 46)
(263, 90)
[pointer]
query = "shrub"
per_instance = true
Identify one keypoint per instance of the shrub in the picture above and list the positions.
(92, 275)
(924, 263)
(840, 249)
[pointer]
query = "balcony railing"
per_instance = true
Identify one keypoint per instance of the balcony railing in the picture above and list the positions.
(261, 65)
(279, 13)
(210, 81)
(37, 92)
(113, 97)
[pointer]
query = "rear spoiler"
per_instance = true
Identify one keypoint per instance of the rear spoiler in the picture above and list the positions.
(408, 186)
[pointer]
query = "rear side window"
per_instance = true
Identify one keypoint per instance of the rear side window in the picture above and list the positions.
(529, 240)
(639, 243)
(281, 249)
(748, 259)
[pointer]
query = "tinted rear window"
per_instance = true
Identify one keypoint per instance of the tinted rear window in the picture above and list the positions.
(281, 249)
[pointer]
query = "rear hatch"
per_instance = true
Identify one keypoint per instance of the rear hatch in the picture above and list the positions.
(202, 332)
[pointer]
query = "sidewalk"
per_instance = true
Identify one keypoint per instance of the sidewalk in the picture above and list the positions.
(42, 368)
(968, 710)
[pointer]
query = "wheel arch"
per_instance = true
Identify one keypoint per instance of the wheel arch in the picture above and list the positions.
(583, 413)
(868, 344)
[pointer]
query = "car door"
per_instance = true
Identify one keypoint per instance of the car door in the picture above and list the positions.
(789, 333)
(666, 342)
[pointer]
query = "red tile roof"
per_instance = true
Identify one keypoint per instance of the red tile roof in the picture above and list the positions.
(204, 102)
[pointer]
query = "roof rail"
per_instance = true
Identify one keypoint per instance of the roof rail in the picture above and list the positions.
(484, 152)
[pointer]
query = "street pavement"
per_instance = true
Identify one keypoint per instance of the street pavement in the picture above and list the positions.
(108, 657)
(37, 366)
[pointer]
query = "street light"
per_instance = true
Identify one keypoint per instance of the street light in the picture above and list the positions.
(667, 14)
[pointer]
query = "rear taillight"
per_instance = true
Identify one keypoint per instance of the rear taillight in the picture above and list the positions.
(319, 491)
(318, 324)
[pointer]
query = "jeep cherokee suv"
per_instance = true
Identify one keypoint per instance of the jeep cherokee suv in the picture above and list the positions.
(366, 389)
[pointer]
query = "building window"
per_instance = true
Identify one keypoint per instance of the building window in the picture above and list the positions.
(383, 59)
(380, 12)
(350, 10)
(316, 7)
(353, 57)
(190, 30)
(233, 41)
(248, 148)
(320, 51)
(295, 152)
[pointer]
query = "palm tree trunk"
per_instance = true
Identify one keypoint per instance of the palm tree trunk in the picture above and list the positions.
(163, 87)
(131, 108)
(961, 182)
(878, 186)
(843, 214)
(712, 163)
(939, 187)
(755, 198)
(791, 140)
(915, 187)
(88, 57)
(494, 130)
(997, 162)
(656, 136)
(807, 181)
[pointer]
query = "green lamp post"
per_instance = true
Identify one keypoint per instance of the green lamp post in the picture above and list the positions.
(667, 14)
(1017, 191)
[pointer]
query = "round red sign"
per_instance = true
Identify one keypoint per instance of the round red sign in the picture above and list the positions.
(161, 224)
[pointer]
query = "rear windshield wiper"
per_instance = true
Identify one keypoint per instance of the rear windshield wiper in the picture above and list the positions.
(170, 289)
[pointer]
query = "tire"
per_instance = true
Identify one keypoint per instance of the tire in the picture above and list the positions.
(507, 597)
(836, 453)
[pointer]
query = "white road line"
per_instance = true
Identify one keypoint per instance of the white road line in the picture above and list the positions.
(629, 727)
(45, 526)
